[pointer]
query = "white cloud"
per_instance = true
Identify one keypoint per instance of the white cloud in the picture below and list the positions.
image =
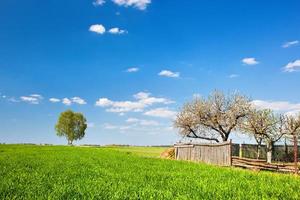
(289, 44)
(37, 96)
(104, 102)
(250, 61)
(292, 66)
(278, 106)
(139, 4)
(99, 2)
(168, 73)
(233, 75)
(146, 99)
(78, 100)
(161, 112)
(69, 101)
(116, 30)
(54, 100)
(132, 69)
(142, 101)
(97, 28)
(142, 122)
(32, 99)
(66, 101)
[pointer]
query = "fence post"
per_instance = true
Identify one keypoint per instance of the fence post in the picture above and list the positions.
(241, 151)
(230, 151)
(296, 153)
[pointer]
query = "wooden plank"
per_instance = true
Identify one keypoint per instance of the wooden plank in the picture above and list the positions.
(248, 159)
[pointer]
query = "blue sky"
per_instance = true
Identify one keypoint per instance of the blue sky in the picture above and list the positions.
(129, 65)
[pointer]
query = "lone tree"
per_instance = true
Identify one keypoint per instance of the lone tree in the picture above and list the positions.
(71, 125)
(213, 118)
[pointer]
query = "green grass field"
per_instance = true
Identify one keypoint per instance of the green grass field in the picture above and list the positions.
(61, 172)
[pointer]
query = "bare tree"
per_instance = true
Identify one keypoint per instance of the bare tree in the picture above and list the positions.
(292, 129)
(213, 118)
(259, 123)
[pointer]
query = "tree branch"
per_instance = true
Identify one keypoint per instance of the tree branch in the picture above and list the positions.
(204, 138)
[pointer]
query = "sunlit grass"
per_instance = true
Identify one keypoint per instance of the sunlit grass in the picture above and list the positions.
(60, 172)
(139, 150)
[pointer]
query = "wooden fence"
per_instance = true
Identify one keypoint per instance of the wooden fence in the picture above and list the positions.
(258, 164)
(218, 154)
(224, 154)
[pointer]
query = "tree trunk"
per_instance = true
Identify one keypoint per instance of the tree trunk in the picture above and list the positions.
(286, 151)
(70, 142)
(258, 141)
(270, 145)
(226, 136)
(258, 151)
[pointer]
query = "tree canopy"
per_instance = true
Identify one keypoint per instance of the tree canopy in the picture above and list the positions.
(71, 125)
(265, 126)
(213, 118)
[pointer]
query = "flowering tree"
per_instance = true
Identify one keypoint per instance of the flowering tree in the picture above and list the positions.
(213, 118)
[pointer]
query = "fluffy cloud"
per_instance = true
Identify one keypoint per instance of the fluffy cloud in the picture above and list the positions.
(116, 30)
(250, 61)
(139, 4)
(132, 69)
(32, 99)
(37, 96)
(78, 100)
(289, 44)
(279, 106)
(99, 2)
(168, 73)
(97, 28)
(142, 100)
(69, 101)
(100, 29)
(66, 101)
(54, 100)
(292, 66)
(161, 112)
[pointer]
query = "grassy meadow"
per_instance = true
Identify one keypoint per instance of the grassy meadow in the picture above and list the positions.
(62, 172)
